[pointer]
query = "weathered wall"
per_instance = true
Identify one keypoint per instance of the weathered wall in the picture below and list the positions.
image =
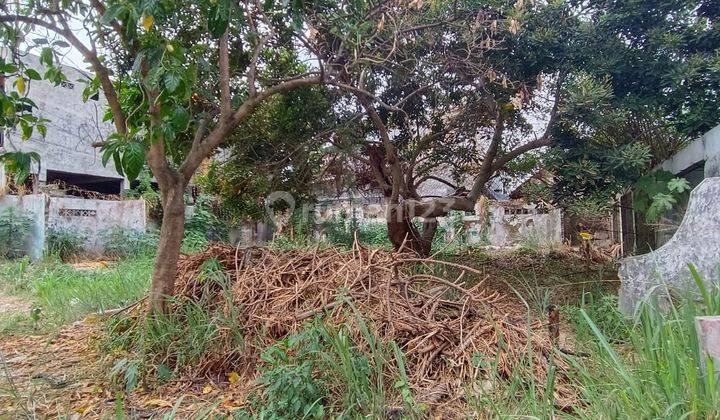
(32, 206)
(74, 125)
(697, 241)
(511, 223)
(93, 217)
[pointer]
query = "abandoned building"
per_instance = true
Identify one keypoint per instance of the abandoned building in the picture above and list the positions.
(66, 152)
(70, 188)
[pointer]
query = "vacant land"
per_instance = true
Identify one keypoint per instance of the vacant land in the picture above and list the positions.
(386, 351)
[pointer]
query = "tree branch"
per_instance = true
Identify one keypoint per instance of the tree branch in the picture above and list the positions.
(202, 149)
(225, 102)
(100, 70)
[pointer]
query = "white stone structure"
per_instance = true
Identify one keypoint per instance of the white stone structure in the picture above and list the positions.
(88, 218)
(664, 272)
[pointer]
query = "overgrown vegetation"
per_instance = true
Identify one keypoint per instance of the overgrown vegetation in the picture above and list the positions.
(656, 371)
(65, 243)
(15, 230)
(124, 242)
(58, 293)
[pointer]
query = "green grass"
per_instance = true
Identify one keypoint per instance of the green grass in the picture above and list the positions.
(60, 294)
(658, 373)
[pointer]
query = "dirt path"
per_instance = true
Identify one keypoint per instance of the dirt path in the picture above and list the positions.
(12, 304)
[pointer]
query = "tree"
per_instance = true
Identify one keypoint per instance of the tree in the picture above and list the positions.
(179, 79)
(463, 107)
(280, 149)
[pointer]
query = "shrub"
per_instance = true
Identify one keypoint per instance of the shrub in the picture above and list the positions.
(123, 242)
(64, 243)
(341, 230)
(15, 230)
(204, 221)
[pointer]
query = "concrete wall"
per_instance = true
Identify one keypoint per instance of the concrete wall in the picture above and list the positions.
(92, 218)
(32, 206)
(513, 222)
(74, 125)
(708, 145)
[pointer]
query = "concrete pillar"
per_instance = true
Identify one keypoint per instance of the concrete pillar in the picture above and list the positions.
(708, 333)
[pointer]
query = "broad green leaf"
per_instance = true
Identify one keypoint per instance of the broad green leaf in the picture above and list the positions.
(172, 80)
(133, 160)
(679, 185)
(112, 13)
(32, 74)
(26, 128)
(46, 56)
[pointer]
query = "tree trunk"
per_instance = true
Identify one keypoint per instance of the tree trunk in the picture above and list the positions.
(168, 251)
(402, 232)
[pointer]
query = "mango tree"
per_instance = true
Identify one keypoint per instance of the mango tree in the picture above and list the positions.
(181, 77)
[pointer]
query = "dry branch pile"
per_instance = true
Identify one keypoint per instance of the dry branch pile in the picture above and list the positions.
(439, 324)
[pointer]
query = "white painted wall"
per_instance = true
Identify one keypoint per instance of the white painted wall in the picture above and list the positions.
(32, 206)
(705, 147)
(46, 213)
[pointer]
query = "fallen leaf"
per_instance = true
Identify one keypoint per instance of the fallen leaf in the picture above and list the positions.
(82, 409)
(208, 389)
(157, 402)
(233, 377)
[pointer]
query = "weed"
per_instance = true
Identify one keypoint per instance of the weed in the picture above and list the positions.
(62, 294)
(15, 230)
(123, 242)
(659, 374)
(65, 243)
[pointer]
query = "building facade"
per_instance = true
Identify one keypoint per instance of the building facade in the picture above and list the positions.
(66, 152)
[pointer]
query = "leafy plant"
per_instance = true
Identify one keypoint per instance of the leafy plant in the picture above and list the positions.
(65, 243)
(290, 387)
(15, 230)
(145, 191)
(659, 373)
(204, 222)
(123, 242)
(657, 192)
(19, 164)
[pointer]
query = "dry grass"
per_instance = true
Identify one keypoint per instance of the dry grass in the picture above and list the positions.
(440, 324)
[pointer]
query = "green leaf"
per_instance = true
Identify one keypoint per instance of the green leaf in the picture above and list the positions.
(133, 160)
(112, 13)
(679, 185)
(42, 129)
(46, 56)
(117, 161)
(26, 128)
(172, 80)
(32, 74)
(180, 118)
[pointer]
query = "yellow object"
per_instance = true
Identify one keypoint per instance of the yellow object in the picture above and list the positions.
(169, 47)
(20, 83)
(586, 235)
(233, 377)
(208, 389)
(147, 21)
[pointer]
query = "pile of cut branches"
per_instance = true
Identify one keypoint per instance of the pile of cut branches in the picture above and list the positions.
(442, 325)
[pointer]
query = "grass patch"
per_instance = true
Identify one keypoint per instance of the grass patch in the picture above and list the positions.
(59, 294)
